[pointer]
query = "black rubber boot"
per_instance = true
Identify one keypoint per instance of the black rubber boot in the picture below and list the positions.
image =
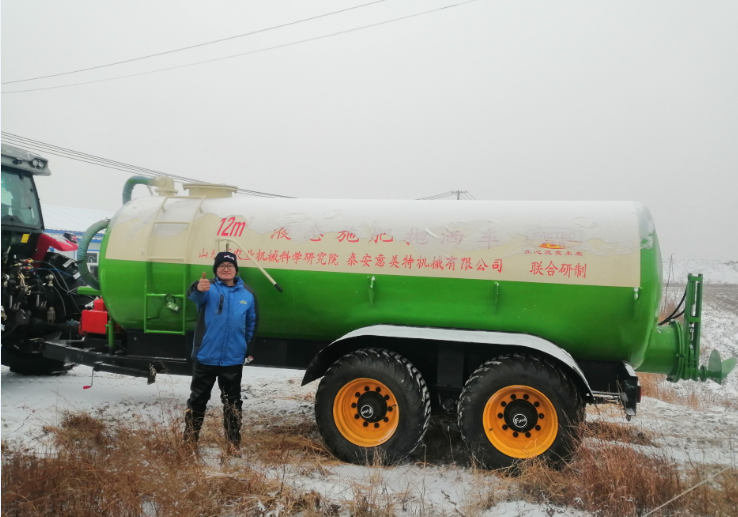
(193, 424)
(232, 425)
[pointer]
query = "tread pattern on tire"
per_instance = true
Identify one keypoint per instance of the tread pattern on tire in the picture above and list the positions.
(515, 364)
(395, 363)
(31, 363)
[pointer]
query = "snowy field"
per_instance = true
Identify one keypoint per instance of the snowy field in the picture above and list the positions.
(30, 404)
(703, 433)
(713, 271)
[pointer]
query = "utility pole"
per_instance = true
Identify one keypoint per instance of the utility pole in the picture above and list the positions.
(449, 193)
(458, 194)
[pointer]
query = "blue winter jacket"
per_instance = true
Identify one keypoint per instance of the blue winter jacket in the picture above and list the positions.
(225, 324)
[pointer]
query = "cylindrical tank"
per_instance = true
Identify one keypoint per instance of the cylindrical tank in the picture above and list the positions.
(584, 275)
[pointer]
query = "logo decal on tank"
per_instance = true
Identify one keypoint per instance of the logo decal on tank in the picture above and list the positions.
(554, 238)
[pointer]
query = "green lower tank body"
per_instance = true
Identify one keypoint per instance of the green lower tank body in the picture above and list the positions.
(610, 324)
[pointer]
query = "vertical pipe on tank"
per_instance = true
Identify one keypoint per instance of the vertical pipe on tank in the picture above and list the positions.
(110, 331)
(132, 182)
(84, 244)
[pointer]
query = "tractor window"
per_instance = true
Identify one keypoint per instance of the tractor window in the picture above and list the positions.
(19, 200)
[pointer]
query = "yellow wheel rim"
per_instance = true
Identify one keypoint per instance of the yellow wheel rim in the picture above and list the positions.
(520, 421)
(365, 412)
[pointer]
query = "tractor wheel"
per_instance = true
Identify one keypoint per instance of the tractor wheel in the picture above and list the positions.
(31, 363)
(372, 406)
(516, 407)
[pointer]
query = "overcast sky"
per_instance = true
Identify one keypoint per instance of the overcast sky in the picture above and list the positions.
(507, 100)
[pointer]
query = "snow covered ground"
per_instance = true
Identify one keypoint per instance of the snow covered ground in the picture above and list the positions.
(714, 271)
(705, 435)
(29, 404)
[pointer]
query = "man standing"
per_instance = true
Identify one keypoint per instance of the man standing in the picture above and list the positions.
(225, 325)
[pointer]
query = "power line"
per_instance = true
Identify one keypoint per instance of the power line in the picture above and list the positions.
(110, 164)
(193, 46)
(83, 157)
(437, 196)
(35, 145)
(245, 53)
(458, 194)
(63, 151)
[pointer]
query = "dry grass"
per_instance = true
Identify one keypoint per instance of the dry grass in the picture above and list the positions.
(656, 386)
(608, 477)
(272, 440)
(102, 469)
(613, 480)
(610, 432)
(99, 468)
(373, 498)
(483, 493)
(689, 394)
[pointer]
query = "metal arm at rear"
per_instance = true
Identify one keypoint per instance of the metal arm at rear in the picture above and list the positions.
(689, 336)
(693, 321)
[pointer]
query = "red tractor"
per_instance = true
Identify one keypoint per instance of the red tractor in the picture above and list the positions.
(39, 298)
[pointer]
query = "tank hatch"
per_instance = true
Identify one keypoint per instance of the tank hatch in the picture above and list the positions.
(209, 190)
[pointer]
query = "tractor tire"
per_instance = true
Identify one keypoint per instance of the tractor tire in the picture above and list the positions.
(372, 406)
(516, 407)
(31, 363)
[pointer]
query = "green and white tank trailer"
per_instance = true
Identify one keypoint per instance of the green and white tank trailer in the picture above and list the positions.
(513, 314)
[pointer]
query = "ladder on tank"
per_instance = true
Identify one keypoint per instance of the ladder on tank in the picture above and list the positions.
(161, 300)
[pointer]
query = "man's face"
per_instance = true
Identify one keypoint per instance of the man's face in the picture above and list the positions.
(226, 271)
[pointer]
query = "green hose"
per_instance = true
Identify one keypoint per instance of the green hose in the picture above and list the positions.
(132, 182)
(84, 244)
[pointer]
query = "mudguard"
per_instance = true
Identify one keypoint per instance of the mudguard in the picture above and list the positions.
(322, 361)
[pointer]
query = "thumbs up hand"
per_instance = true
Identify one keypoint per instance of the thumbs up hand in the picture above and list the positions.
(203, 285)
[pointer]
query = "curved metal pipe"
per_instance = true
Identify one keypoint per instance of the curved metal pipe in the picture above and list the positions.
(132, 182)
(84, 244)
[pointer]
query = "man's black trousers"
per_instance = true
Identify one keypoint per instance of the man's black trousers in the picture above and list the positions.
(229, 382)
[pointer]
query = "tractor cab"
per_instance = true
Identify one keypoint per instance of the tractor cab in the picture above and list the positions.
(22, 223)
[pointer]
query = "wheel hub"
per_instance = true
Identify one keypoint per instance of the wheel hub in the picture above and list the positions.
(372, 407)
(520, 421)
(520, 415)
(365, 412)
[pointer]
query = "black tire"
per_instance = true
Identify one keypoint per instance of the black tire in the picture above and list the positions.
(511, 428)
(31, 363)
(409, 399)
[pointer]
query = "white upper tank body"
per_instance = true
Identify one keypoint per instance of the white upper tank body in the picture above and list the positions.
(564, 242)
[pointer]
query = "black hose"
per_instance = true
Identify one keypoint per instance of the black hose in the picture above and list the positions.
(675, 317)
(55, 269)
(59, 280)
(679, 306)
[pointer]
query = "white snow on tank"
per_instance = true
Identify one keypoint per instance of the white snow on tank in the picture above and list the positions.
(588, 243)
